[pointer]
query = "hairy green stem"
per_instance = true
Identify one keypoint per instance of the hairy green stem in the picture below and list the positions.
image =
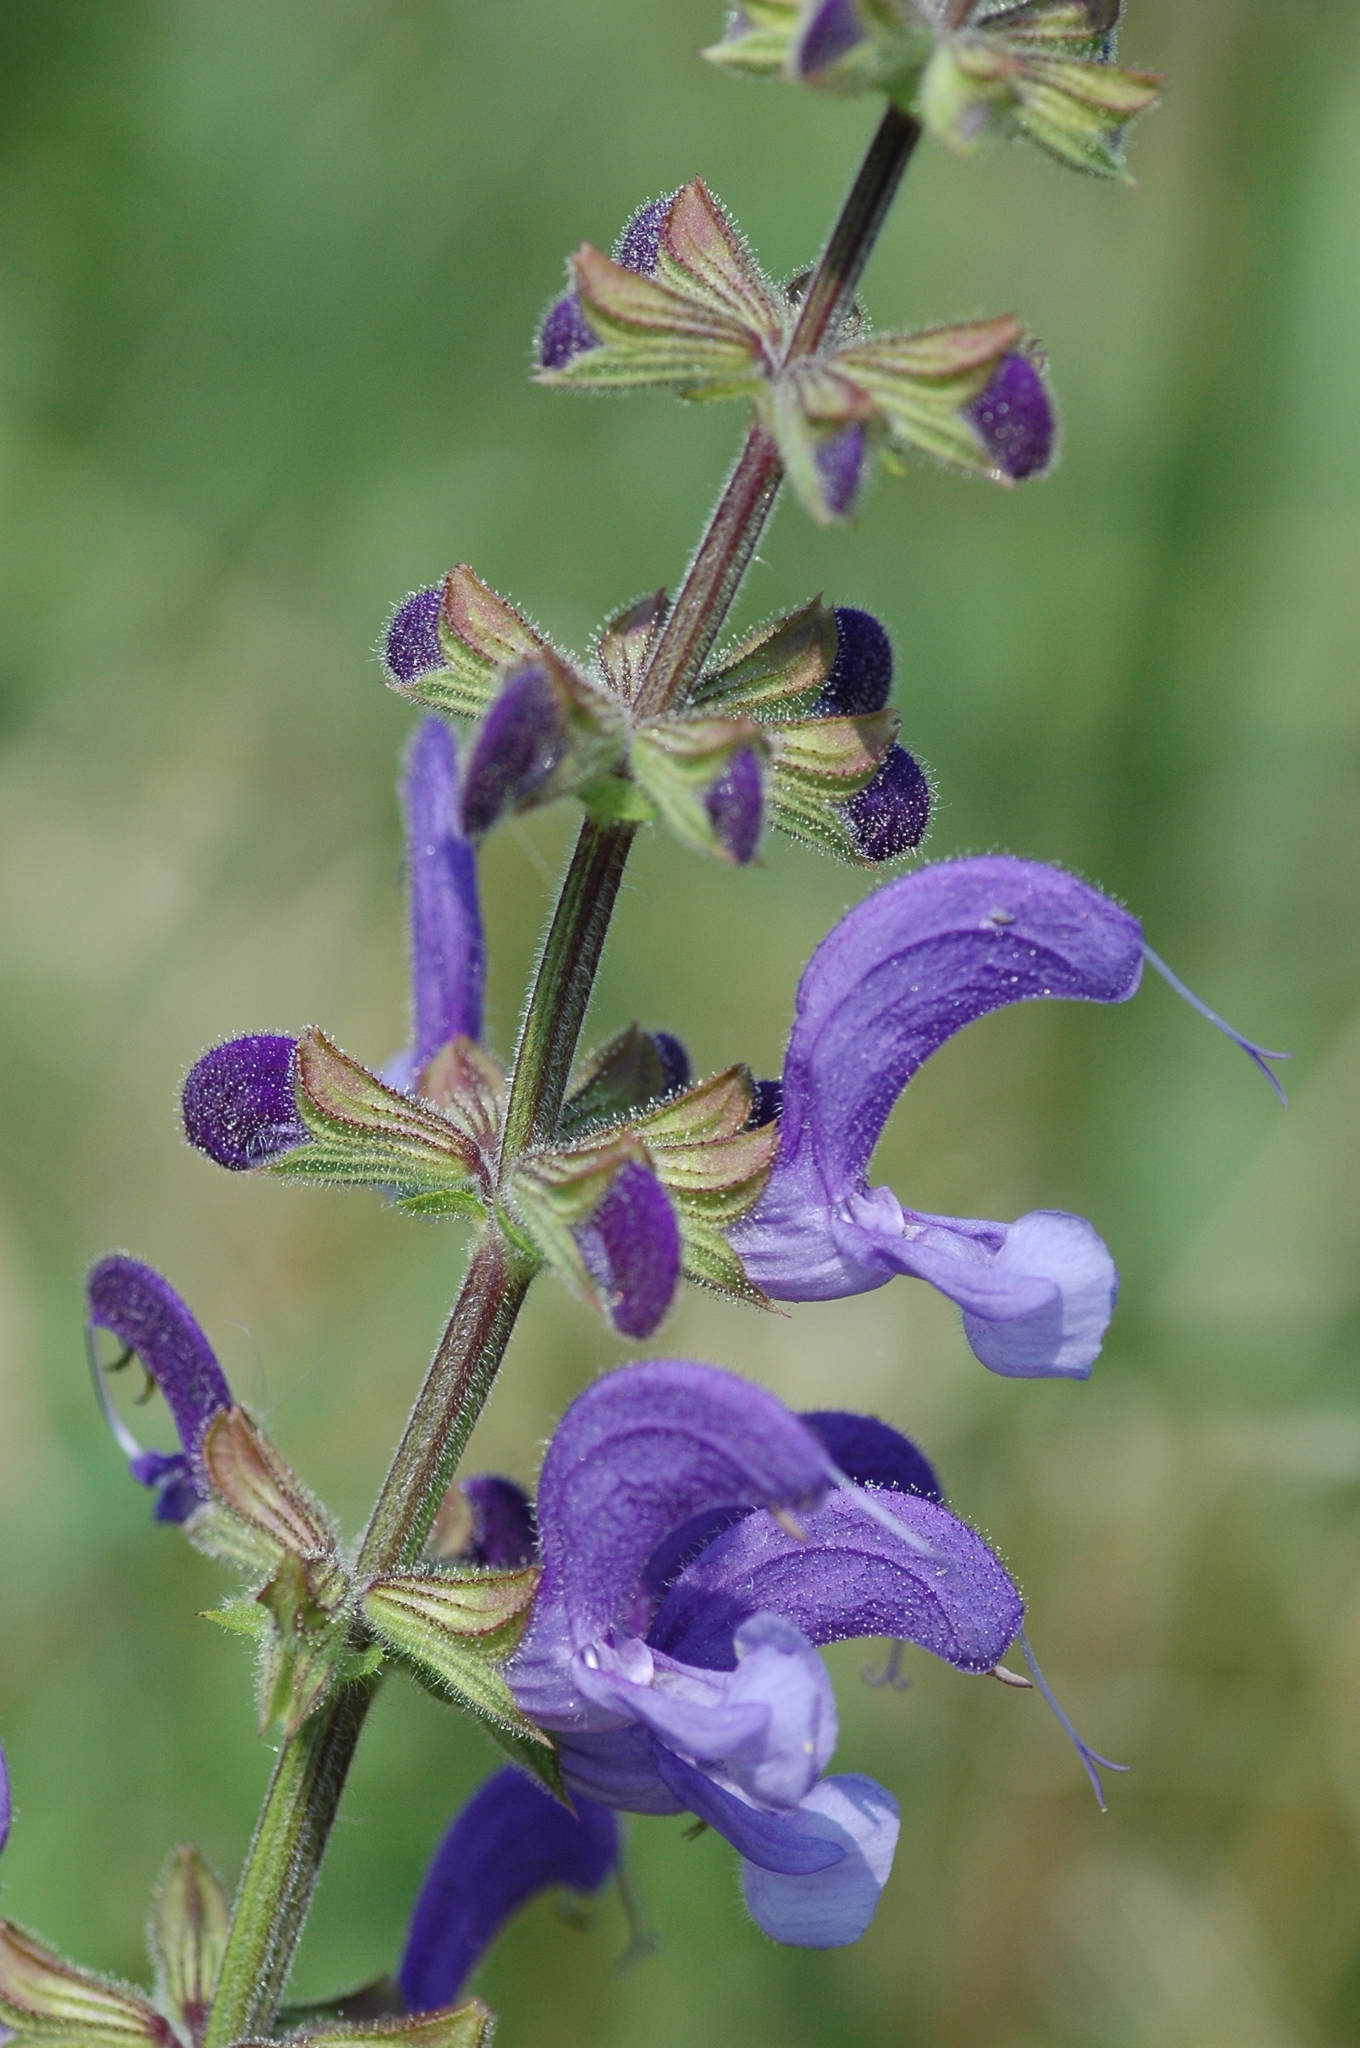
(299, 1809)
(561, 993)
(282, 1865)
(447, 1407)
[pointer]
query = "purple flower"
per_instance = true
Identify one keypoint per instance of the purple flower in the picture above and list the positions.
(510, 1841)
(830, 30)
(504, 1527)
(519, 744)
(446, 948)
(840, 464)
(150, 1321)
(239, 1102)
(1014, 417)
(631, 1246)
(566, 332)
(6, 1809)
(673, 1643)
(411, 644)
(890, 815)
(860, 679)
(735, 805)
(897, 977)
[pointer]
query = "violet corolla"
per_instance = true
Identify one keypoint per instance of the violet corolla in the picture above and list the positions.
(511, 1841)
(896, 978)
(154, 1325)
(672, 1649)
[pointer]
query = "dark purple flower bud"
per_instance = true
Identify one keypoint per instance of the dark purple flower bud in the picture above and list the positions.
(148, 1318)
(840, 468)
(735, 804)
(519, 744)
(832, 29)
(873, 1454)
(890, 815)
(504, 1531)
(631, 1246)
(511, 1841)
(238, 1103)
(411, 648)
(676, 1070)
(768, 1103)
(640, 242)
(1014, 416)
(860, 679)
(565, 333)
(6, 1810)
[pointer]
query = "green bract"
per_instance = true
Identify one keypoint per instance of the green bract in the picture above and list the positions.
(969, 74)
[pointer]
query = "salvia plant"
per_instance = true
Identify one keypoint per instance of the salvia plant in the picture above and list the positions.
(643, 1637)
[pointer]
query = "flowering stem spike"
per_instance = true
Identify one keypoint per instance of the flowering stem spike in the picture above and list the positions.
(646, 1635)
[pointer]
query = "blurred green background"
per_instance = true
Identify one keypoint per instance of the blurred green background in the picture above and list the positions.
(270, 275)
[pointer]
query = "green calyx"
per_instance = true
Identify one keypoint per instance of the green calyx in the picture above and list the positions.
(454, 1631)
(365, 1134)
(1037, 69)
(46, 2002)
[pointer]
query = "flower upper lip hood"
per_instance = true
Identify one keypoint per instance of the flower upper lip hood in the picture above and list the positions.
(896, 978)
(150, 1320)
(672, 1647)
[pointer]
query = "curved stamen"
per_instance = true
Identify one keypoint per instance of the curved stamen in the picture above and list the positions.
(122, 1435)
(1257, 1054)
(1088, 1756)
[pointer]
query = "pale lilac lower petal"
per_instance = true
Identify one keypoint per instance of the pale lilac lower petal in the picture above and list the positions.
(510, 1841)
(830, 1908)
(773, 1841)
(1037, 1306)
(1037, 1295)
(688, 1714)
(847, 1576)
(618, 1768)
(778, 1668)
(769, 1726)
